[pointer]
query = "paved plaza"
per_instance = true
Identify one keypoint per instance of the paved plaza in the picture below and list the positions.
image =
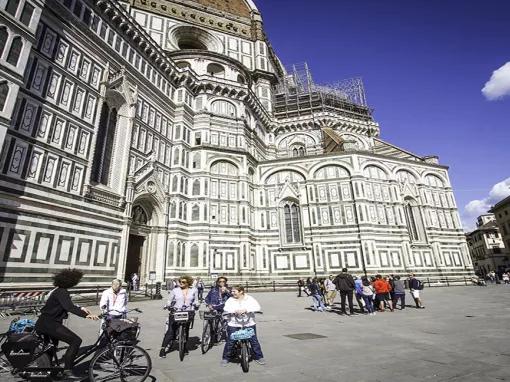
(462, 335)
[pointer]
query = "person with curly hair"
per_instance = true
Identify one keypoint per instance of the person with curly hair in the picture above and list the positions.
(56, 309)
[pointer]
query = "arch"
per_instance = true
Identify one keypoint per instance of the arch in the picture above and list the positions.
(194, 38)
(215, 70)
(434, 180)
(360, 143)
(318, 165)
(103, 154)
(296, 135)
(330, 171)
(15, 51)
(375, 171)
(290, 221)
(414, 220)
(224, 167)
(241, 79)
(139, 215)
(297, 149)
(301, 172)
(4, 35)
(222, 107)
(404, 175)
(282, 175)
(173, 210)
(411, 170)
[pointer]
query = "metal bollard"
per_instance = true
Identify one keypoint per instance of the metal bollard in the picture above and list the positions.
(157, 295)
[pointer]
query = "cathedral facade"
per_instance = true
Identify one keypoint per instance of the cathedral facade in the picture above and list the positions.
(165, 137)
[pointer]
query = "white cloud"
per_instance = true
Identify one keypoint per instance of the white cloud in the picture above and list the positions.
(478, 207)
(499, 84)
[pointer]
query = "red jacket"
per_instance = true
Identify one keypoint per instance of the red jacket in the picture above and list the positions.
(382, 286)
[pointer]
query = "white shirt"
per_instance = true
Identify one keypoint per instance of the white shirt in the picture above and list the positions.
(329, 285)
(116, 303)
(248, 303)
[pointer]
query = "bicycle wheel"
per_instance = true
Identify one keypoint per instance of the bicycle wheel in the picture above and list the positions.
(207, 337)
(123, 362)
(5, 366)
(182, 341)
(245, 357)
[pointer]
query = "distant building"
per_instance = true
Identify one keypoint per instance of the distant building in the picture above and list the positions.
(486, 246)
(501, 212)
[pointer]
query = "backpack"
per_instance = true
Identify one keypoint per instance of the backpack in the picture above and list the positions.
(420, 285)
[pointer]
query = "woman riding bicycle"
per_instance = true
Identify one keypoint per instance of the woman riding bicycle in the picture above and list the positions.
(241, 305)
(218, 295)
(58, 306)
(184, 298)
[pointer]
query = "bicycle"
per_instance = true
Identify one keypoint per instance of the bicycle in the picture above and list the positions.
(241, 348)
(183, 320)
(116, 356)
(213, 329)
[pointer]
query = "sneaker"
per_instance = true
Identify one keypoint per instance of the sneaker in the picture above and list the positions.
(224, 362)
(261, 361)
(162, 353)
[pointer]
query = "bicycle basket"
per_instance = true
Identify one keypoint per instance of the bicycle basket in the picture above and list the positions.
(19, 348)
(22, 325)
(207, 315)
(181, 316)
(122, 329)
(242, 334)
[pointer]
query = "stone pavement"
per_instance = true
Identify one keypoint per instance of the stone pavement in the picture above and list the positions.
(462, 335)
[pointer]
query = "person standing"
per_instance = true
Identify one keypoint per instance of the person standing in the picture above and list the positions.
(345, 284)
(368, 295)
(200, 288)
(506, 278)
(358, 293)
(114, 300)
(399, 293)
(301, 286)
(330, 288)
(415, 286)
(135, 281)
(382, 292)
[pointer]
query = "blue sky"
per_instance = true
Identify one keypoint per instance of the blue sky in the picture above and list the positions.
(424, 64)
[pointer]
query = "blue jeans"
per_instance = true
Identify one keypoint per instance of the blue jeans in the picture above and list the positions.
(317, 302)
(254, 342)
(369, 303)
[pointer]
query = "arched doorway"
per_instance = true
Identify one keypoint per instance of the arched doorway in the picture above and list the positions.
(138, 235)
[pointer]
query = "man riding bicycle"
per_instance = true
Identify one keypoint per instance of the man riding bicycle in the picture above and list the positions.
(184, 298)
(114, 300)
(56, 310)
(218, 295)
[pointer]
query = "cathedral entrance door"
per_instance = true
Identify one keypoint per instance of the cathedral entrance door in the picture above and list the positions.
(134, 256)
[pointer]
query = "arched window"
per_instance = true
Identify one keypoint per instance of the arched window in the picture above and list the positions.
(196, 188)
(196, 160)
(405, 176)
(291, 222)
(15, 51)
(175, 183)
(221, 107)
(413, 220)
(433, 181)
(3, 39)
(173, 210)
(12, 7)
(193, 256)
(104, 145)
(374, 172)
(4, 91)
(195, 213)
(216, 70)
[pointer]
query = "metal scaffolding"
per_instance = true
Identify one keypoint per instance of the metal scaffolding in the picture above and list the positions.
(297, 94)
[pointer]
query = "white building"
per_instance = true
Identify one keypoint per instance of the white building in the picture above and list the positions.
(166, 136)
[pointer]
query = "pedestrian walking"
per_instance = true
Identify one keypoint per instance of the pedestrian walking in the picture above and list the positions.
(315, 292)
(416, 286)
(200, 288)
(135, 281)
(345, 284)
(358, 293)
(330, 288)
(300, 286)
(399, 293)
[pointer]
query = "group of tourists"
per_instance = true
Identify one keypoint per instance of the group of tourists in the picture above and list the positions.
(376, 293)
